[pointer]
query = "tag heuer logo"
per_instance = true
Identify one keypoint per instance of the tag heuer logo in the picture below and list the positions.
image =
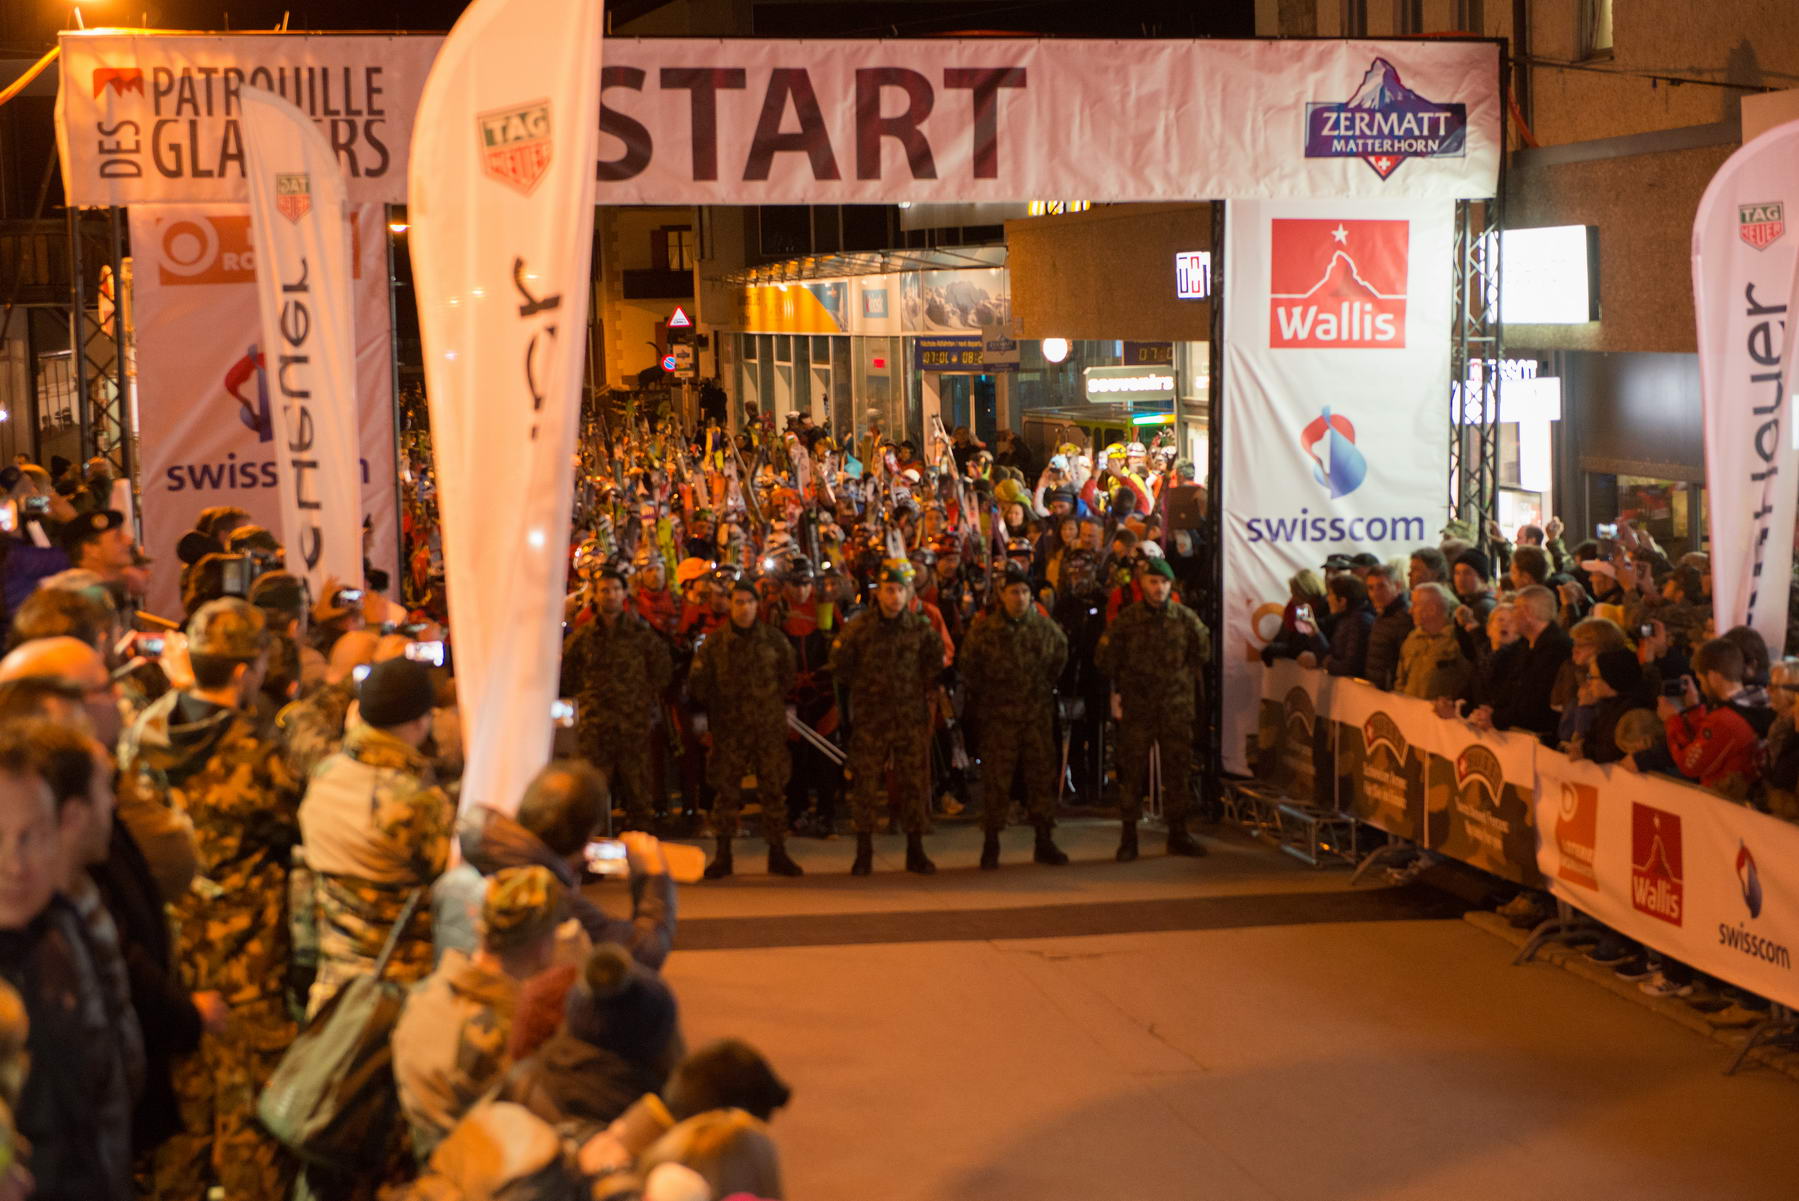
(293, 196)
(515, 144)
(1761, 225)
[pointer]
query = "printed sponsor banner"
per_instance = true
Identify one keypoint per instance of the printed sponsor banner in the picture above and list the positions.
(152, 117)
(1294, 741)
(1713, 884)
(1743, 281)
(502, 188)
(1336, 378)
(1477, 798)
(1381, 760)
(300, 223)
(206, 424)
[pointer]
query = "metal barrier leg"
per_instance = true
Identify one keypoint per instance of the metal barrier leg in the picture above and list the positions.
(1153, 810)
(1381, 855)
(1782, 1024)
(1567, 921)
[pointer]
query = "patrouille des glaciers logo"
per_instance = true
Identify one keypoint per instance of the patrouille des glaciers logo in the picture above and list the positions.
(1385, 123)
(1336, 463)
(1337, 284)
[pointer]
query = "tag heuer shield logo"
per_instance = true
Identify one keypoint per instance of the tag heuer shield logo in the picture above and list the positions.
(1761, 225)
(515, 145)
(293, 196)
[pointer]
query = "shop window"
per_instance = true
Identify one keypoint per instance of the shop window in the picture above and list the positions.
(821, 349)
(749, 348)
(783, 348)
(672, 248)
(1595, 28)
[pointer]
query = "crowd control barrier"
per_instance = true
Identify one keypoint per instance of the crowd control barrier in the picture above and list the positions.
(1708, 881)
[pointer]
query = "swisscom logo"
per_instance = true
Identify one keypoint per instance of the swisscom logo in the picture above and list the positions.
(1336, 463)
(1385, 123)
(1337, 284)
(1657, 880)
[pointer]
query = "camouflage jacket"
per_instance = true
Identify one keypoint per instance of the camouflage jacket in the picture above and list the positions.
(887, 665)
(449, 1045)
(1011, 667)
(616, 675)
(1152, 654)
(374, 826)
(743, 677)
(205, 761)
(313, 728)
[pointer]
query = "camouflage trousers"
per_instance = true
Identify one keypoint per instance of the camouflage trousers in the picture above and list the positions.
(216, 1089)
(623, 757)
(1011, 748)
(876, 743)
(1172, 732)
(764, 754)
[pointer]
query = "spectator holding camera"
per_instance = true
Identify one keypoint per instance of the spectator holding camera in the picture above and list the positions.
(1345, 652)
(1714, 736)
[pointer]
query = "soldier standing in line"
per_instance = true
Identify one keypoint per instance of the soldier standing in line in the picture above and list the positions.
(809, 624)
(1010, 664)
(1153, 653)
(617, 667)
(197, 750)
(887, 658)
(742, 674)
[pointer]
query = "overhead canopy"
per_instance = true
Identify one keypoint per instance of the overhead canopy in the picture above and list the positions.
(152, 117)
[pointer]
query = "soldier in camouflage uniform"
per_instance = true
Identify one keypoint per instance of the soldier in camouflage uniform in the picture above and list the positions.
(741, 673)
(450, 1043)
(1010, 663)
(887, 659)
(1153, 653)
(617, 667)
(197, 751)
(313, 727)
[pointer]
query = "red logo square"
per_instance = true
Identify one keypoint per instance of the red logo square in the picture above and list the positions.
(1337, 284)
(1657, 879)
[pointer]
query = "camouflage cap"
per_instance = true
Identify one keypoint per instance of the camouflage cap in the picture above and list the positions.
(521, 904)
(229, 628)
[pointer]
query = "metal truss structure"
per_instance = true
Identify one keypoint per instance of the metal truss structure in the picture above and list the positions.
(1476, 346)
(97, 336)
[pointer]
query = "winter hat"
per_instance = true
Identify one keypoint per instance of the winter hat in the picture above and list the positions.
(727, 1074)
(1620, 670)
(620, 1006)
(396, 692)
(1475, 560)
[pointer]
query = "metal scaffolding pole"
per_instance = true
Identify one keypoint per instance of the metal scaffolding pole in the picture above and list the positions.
(1476, 348)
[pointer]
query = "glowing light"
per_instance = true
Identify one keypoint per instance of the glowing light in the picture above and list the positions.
(1055, 349)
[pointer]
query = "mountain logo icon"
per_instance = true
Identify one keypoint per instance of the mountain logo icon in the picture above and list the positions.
(1384, 123)
(1337, 284)
(1329, 440)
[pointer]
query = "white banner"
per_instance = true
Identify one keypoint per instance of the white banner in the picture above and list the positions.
(152, 117)
(1336, 405)
(206, 425)
(300, 224)
(1714, 884)
(1744, 258)
(502, 188)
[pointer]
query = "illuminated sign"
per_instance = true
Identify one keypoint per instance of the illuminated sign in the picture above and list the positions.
(1193, 274)
(1548, 276)
(1119, 385)
(680, 319)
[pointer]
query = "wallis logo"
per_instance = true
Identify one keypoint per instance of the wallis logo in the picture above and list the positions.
(1657, 883)
(1337, 284)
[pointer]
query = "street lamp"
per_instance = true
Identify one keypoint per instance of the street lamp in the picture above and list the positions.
(1055, 349)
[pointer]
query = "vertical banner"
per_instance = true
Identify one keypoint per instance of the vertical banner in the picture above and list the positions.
(1336, 405)
(1744, 259)
(502, 208)
(205, 427)
(299, 220)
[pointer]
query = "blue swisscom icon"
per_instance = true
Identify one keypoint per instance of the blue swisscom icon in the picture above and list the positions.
(1336, 463)
(1385, 123)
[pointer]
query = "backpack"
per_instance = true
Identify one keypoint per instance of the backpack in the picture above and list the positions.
(332, 1100)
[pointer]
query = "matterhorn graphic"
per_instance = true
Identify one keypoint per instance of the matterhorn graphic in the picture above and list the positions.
(1337, 284)
(1384, 123)
(1336, 463)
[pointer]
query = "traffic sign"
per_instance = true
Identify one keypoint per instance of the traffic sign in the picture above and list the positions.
(680, 320)
(668, 362)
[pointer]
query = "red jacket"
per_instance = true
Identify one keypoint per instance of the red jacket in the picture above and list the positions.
(1716, 745)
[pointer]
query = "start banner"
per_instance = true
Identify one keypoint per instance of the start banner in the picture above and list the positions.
(153, 117)
(206, 427)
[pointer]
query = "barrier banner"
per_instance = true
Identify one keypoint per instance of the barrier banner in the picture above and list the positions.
(147, 117)
(206, 428)
(1335, 409)
(300, 224)
(1744, 259)
(502, 187)
(1295, 741)
(1712, 883)
(1478, 789)
(1381, 761)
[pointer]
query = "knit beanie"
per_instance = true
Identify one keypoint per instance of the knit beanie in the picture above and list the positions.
(1477, 561)
(620, 1006)
(727, 1074)
(396, 692)
(1620, 669)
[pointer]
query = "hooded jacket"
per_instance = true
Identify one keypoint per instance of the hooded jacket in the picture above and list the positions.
(491, 841)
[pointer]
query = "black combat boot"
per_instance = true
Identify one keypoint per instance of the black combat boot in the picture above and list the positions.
(1127, 846)
(1180, 842)
(779, 862)
(1046, 850)
(990, 851)
(916, 860)
(865, 855)
(721, 866)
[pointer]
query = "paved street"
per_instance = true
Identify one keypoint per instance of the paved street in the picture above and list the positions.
(1236, 1028)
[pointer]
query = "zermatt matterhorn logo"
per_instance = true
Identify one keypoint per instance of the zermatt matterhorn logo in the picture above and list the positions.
(1385, 123)
(1337, 284)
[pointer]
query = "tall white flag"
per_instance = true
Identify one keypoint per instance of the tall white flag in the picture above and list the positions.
(1744, 258)
(300, 225)
(501, 202)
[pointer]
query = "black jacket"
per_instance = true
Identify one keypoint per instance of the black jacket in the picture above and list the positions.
(1526, 705)
(1348, 655)
(1384, 640)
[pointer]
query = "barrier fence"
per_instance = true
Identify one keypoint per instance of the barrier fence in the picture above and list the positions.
(1710, 882)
